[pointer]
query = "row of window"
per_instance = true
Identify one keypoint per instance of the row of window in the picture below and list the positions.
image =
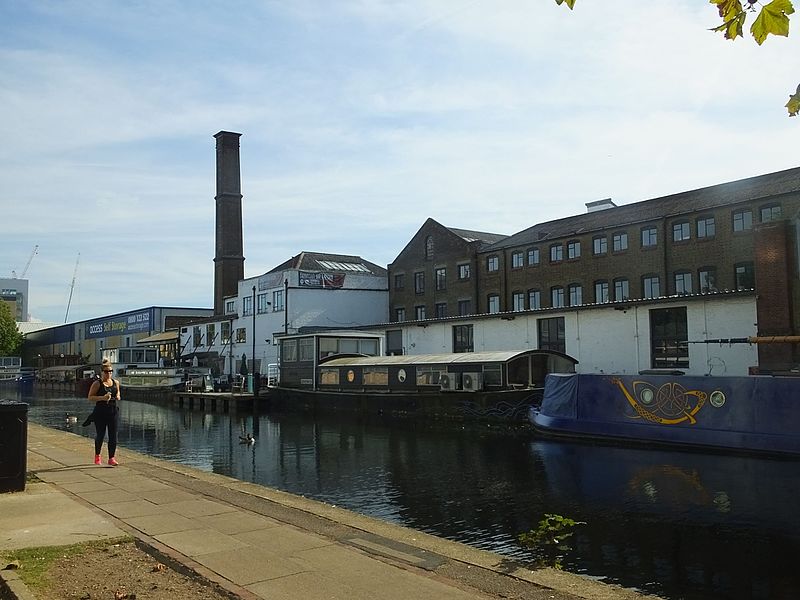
(705, 227)
(262, 304)
(572, 295)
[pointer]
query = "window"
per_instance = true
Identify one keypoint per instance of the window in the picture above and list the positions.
(575, 294)
(464, 307)
(683, 282)
(494, 303)
(441, 278)
(225, 332)
(419, 312)
(601, 292)
(620, 241)
(556, 253)
(277, 301)
(197, 338)
(534, 299)
(429, 247)
(376, 376)
(394, 342)
(230, 307)
(574, 249)
(622, 289)
(492, 264)
(247, 306)
(707, 279)
(744, 276)
(533, 256)
(771, 212)
(706, 227)
(399, 281)
(463, 272)
(289, 351)
(600, 245)
(743, 220)
(211, 334)
(462, 338)
(306, 349)
(399, 314)
(261, 299)
(517, 260)
(518, 301)
(649, 237)
(440, 310)
(650, 286)
(681, 232)
(557, 297)
(419, 283)
(241, 335)
(668, 336)
(552, 335)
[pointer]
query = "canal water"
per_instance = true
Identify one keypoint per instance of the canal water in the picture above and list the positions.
(682, 525)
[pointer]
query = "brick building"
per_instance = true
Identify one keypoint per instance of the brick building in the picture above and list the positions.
(725, 238)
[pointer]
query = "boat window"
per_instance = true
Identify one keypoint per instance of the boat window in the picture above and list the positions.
(329, 376)
(428, 375)
(492, 375)
(348, 346)
(369, 347)
(307, 349)
(376, 376)
(289, 353)
(138, 356)
(150, 356)
(328, 346)
(125, 356)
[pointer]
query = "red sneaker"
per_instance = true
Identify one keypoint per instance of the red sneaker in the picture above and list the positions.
(112, 462)
(97, 459)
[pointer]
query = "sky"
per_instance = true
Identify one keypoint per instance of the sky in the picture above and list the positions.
(359, 120)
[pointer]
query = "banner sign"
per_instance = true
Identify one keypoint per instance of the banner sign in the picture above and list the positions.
(321, 280)
(120, 325)
(271, 280)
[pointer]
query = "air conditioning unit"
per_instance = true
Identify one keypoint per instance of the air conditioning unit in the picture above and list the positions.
(472, 381)
(447, 381)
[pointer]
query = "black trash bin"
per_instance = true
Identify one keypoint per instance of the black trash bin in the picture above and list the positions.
(13, 445)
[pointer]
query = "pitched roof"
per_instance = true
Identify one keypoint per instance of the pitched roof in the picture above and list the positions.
(725, 194)
(336, 263)
(477, 236)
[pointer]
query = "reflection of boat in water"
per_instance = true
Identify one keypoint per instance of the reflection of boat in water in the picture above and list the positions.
(696, 524)
(750, 414)
(499, 385)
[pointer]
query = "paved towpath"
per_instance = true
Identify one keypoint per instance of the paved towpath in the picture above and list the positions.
(256, 542)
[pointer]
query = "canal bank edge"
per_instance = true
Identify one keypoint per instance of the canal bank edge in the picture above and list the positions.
(483, 570)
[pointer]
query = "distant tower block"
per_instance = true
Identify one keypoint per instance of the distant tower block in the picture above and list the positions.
(229, 256)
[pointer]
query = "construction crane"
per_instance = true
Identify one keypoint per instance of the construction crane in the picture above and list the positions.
(27, 264)
(72, 286)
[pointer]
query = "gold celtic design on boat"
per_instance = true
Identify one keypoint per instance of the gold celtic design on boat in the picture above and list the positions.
(666, 404)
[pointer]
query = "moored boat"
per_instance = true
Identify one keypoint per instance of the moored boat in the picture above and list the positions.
(757, 414)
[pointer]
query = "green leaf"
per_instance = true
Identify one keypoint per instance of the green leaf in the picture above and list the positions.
(774, 19)
(570, 3)
(733, 18)
(793, 105)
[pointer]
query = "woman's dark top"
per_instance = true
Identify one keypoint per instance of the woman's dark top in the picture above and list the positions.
(106, 389)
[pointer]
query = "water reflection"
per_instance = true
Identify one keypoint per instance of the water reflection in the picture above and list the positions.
(679, 524)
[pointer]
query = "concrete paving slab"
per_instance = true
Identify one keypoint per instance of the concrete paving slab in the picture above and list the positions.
(67, 457)
(197, 542)
(165, 522)
(237, 522)
(306, 586)
(46, 517)
(112, 496)
(133, 508)
(285, 540)
(167, 496)
(138, 484)
(65, 475)
(198, 507)
(87, 486)
(250, 565)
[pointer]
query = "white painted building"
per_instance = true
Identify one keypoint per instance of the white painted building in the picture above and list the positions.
(615, 338)
(311, 290)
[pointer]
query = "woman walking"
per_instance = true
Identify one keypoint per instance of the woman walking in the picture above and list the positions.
(105, 395)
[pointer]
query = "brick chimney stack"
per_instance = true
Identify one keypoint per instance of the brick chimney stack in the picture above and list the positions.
(229, 256)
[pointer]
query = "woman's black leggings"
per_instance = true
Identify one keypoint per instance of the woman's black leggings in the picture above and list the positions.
(106, 416)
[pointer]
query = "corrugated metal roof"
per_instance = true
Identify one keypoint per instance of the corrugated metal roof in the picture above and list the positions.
(160, 338)
(431, 359)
